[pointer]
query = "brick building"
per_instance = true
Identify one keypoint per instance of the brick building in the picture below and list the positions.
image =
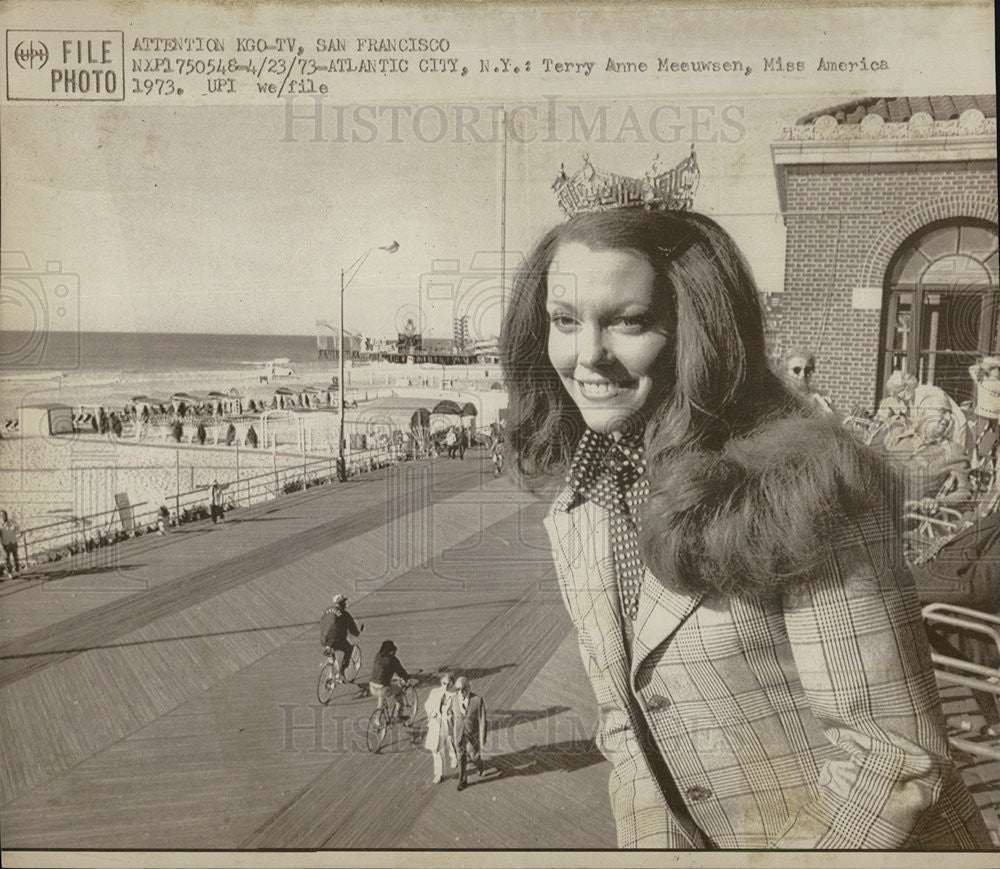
(890, 209)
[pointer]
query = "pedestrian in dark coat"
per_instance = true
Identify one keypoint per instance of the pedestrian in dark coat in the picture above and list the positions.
(470, 729)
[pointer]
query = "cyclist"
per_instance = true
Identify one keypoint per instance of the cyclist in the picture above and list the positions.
(335, 626)
(386, 666)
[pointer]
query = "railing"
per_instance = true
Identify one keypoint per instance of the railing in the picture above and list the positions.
(75, 534)
(983, 678)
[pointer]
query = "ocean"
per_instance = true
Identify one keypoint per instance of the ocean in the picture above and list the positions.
(143, 352)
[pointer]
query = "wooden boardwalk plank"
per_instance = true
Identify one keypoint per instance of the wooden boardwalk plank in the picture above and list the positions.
(551, 788)
(494, 656)
(199, 666)
(198, 727)
(28, 653)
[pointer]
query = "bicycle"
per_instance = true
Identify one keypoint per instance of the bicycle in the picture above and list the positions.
(329, 680)
(406, 711)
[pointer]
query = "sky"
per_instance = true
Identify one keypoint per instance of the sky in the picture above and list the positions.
(223, 218)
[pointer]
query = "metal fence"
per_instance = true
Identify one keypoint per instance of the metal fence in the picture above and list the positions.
(74, 534)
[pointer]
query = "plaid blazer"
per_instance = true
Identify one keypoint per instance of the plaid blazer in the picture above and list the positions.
(808, 718)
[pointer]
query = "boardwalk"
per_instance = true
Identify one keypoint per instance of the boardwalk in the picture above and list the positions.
(165, 697)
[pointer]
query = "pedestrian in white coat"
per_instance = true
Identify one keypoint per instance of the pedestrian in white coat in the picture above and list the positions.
(440, 719)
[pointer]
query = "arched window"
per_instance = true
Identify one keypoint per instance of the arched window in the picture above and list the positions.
(942, 305)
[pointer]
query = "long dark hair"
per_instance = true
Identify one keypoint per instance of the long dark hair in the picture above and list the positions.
(720, 385)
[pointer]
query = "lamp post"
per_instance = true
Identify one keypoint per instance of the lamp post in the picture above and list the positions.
(346, 276)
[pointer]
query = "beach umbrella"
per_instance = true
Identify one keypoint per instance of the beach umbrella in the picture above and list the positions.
(447, 407)
(469, 409)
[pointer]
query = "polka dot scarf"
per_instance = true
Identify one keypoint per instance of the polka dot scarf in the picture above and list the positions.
(610, 473)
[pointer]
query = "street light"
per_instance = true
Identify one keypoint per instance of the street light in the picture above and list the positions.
(346, 276)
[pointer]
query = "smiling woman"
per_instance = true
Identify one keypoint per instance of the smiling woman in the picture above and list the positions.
(609, 333)
(730, 559)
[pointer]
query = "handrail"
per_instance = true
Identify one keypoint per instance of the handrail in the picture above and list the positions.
(965, 624)
(981, 679)
(955, 609)
(91, 530)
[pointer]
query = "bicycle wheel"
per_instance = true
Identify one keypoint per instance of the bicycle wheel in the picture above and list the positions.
(408, 707)
(326, 685)
(378, 725)
(354, 665)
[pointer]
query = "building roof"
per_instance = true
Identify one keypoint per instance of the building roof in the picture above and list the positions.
(901, 109)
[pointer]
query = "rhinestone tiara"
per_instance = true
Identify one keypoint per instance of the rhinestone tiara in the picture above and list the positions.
(593, 189)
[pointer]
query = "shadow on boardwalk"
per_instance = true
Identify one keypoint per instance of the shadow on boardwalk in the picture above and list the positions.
(501, 718)
(474, 673)
(568, 756)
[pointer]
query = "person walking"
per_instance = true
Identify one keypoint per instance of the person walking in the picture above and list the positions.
(469, 729)
(451, 441)
(496, 453)
(463, 441)
(9, 531)
(440, 725)
(217, 509)
(163, 520)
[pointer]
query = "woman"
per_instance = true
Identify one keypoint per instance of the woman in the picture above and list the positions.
(440, 722)
(729, 559)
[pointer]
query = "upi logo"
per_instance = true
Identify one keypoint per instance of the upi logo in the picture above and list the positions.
(30, 54)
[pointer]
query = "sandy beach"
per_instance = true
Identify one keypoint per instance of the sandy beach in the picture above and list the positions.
(45, 479)
(113, 389)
